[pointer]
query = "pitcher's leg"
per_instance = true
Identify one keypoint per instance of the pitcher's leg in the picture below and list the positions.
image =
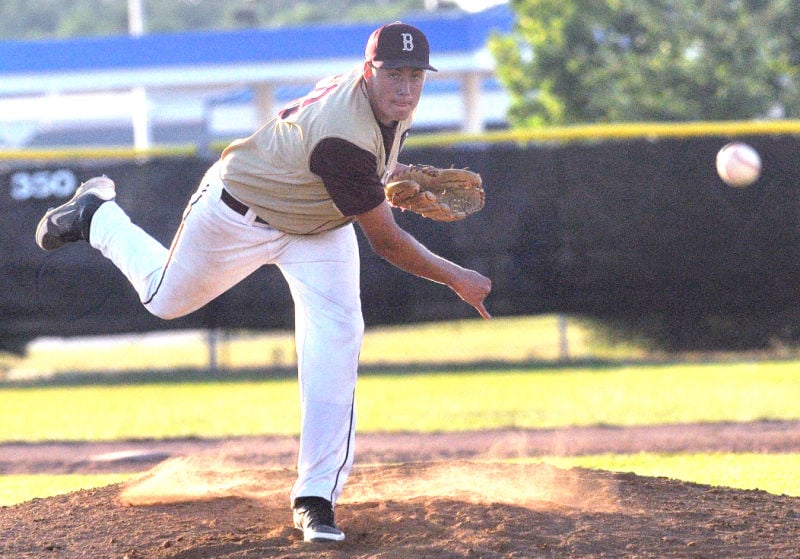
(326, 455)
(138, 256)
(213, 249)
(323, 275)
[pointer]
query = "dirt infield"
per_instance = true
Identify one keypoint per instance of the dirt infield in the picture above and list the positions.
(410, 496)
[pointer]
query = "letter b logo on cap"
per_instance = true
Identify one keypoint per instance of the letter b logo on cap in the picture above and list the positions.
(408, 41)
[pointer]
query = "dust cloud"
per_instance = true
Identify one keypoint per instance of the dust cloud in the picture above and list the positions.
(188, 479)
(199, 478)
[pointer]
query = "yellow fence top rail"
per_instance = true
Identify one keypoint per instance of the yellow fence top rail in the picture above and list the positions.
(632, 130)
(64, 154)
(574, 133)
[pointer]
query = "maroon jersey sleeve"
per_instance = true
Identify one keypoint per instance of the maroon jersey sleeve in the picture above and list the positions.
(349, 175)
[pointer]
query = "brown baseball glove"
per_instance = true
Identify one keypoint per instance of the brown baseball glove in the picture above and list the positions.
(438, 194)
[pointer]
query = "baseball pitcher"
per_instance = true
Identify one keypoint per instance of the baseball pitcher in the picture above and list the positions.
(288, 195)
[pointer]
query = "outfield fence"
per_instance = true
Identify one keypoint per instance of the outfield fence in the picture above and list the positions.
(624, 223)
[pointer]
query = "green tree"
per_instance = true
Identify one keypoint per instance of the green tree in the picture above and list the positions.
(570, 61)
(783, 18)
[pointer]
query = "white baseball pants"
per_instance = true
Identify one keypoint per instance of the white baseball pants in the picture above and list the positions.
(214, 249)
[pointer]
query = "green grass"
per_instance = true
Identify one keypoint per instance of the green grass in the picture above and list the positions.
(439, 401)
(118, 412)
(624, 395)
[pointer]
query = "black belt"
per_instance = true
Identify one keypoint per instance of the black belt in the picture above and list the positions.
(237, 206)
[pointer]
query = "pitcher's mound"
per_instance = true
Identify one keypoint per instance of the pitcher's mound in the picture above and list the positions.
(205, 509)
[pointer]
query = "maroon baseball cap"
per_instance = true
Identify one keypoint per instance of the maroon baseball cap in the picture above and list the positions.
(398, 45)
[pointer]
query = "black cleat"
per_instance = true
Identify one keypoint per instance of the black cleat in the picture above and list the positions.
(69, 222)
(314, 516)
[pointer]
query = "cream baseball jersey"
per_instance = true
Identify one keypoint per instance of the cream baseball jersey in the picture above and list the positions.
(271, 171)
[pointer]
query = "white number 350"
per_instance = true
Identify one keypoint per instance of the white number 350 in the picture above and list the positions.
(60, 183)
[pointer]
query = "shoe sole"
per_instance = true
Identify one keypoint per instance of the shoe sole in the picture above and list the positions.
(102, 187)
(324, 540)
(322, 537)
(313, 536)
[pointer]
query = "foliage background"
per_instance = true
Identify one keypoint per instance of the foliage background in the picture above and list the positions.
(571, 61)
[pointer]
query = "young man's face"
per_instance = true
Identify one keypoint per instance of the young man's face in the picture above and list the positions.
(393, 93)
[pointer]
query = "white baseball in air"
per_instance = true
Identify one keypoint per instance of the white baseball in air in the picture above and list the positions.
(738, 164)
